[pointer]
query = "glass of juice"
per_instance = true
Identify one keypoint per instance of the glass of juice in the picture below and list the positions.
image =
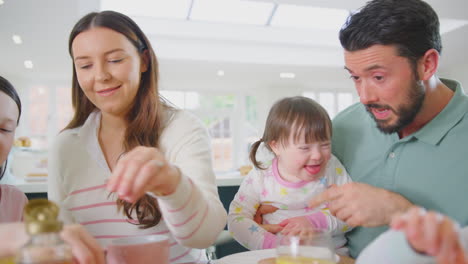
(312, 246)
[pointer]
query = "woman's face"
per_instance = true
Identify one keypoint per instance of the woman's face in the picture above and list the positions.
(8, 121)
(108, 69)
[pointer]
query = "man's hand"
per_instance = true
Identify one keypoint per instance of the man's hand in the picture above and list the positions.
(433, 234)
(360, 204)
(263, 209)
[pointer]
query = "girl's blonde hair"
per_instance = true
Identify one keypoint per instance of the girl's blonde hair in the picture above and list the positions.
(298, 113)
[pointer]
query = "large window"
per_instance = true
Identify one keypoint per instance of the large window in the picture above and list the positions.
(47, 110)
(64, 107)
(233, 119)
(36, 117)
(230, 120)
(332, 102)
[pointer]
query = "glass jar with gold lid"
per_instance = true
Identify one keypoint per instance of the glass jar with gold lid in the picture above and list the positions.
(45, 245)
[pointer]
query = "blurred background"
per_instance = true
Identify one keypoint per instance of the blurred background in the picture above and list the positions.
(226, 61)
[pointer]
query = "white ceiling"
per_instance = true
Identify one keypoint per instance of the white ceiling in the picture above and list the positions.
(191, 52)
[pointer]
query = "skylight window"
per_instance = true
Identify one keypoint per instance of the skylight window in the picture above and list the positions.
(309, 17)
(231, 11)
(174, 9)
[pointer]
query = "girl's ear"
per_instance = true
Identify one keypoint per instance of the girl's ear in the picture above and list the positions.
(145, 61)
(274, 147)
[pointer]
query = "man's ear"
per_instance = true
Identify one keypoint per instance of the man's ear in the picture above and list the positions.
(145, 61)
(427, 65)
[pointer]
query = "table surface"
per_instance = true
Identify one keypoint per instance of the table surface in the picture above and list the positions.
(343, 260)
(265, 256)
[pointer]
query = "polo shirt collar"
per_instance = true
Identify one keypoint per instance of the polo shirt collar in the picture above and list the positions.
(434, 131)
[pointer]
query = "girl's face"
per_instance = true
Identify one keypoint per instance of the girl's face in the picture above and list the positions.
(8, 121)
(301, 161)
(108, 69)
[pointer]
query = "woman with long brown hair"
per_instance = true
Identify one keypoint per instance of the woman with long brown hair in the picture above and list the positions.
(128, 164)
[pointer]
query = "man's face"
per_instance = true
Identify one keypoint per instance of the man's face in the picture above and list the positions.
(387, 86)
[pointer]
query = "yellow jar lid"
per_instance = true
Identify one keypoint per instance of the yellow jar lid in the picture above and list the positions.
(41, 216)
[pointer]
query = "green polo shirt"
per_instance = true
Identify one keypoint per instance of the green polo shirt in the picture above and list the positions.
(429, 167)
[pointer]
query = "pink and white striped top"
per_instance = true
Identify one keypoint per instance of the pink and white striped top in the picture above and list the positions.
(193, 215)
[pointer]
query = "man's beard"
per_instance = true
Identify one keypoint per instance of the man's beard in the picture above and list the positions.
(405, 112)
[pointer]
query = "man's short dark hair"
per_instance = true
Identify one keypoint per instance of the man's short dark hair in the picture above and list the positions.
(411, 25)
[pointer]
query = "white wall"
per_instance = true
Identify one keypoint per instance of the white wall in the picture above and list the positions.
(460, 74)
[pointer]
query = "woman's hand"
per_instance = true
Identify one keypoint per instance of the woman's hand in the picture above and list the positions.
(433, 234)
(85, 248)
(141, 170)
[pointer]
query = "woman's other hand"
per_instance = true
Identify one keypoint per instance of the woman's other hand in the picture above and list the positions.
(85, 248)
(433, 234)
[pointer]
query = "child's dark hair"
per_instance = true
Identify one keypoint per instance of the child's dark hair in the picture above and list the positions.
(7, 88)
(298, 113)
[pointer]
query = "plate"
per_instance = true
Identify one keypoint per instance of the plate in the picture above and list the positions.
(251, 257)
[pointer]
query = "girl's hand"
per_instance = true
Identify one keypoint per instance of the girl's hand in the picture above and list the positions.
(294, 225)
(141, 170)
(432, 234)
(272, 228)
(296, 230)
